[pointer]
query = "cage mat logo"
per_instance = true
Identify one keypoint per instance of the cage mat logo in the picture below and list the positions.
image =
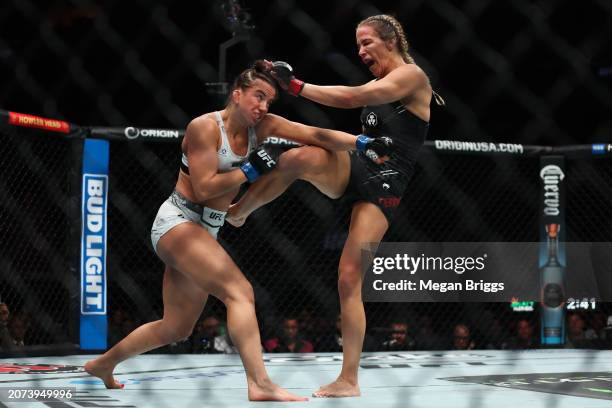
(18, 368)
(577, 384)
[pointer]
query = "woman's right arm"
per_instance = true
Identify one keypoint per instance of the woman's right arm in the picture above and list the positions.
(400, 83)
(207, 183)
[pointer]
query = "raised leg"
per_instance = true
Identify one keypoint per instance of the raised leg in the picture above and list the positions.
(327, 171)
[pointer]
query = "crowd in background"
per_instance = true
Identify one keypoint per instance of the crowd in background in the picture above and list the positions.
(305, 333)
(13, 329)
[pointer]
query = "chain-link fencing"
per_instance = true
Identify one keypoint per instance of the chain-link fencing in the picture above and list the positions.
(521, 71)
(289, 249)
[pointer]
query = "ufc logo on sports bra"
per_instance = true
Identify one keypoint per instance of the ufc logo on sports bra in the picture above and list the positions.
(266, 157)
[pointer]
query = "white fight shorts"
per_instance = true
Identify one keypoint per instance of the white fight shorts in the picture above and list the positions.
(177, 210)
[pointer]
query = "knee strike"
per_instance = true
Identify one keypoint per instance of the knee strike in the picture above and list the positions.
(295, 161)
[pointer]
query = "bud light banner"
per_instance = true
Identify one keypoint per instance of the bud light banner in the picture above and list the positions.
(552, 249)
(93, 321)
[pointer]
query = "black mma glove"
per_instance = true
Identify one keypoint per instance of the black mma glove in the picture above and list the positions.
(283, 73)
(259, 162)
(375, 148)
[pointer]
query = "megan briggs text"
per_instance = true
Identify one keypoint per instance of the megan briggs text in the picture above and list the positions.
(430, 285)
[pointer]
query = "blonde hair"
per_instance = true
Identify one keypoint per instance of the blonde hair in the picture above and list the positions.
(388, 28)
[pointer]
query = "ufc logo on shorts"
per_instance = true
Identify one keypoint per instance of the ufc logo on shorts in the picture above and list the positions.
(266, 157)
(215, 216)
(389, 202)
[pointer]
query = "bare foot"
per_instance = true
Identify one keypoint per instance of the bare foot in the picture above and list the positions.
(94, 368)
(271, 392)
(234, 217)
(338, 389)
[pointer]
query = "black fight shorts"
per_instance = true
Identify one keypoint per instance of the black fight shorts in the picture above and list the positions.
(379, 185)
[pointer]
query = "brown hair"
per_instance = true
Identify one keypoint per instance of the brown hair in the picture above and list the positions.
(246, 78)
(388, 28)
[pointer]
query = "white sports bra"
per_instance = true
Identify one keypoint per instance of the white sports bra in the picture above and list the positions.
(228, 160)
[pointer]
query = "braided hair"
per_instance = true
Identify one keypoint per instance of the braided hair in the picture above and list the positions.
(388, 28)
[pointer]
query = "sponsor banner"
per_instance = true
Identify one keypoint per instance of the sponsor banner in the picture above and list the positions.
(522, 306)
(553, 250)
(93, 244)
(276, 146)
(383, 357)
(479, 147)
(482, 272)
(167, 377)
(273, 140)
(135, 133)
(552, 177)
(28, 368)
(31, 121)
(93, 320)
(601, 148)
(578, 384)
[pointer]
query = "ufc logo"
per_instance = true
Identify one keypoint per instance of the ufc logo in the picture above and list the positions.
(266, 157)
(215, 216)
